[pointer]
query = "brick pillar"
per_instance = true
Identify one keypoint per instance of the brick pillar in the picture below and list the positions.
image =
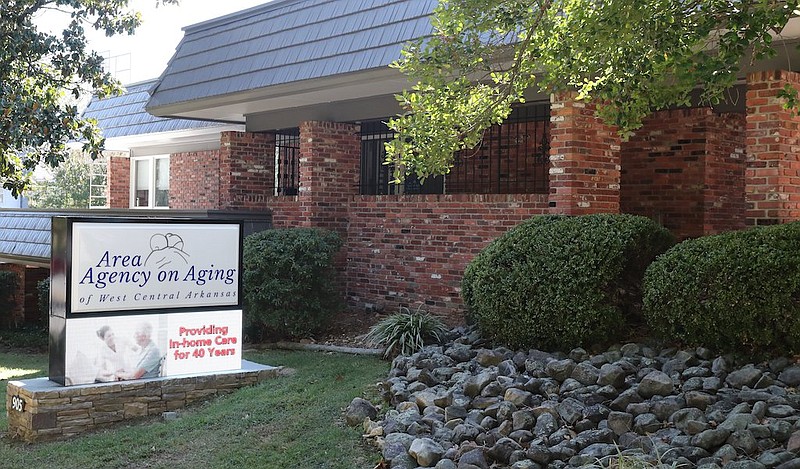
(16, 316)
(772, 177)
(723, 193)
(194, 180)
(584, 159)
(246, 170)
(119, 180)
(330, 155)
(684, 168)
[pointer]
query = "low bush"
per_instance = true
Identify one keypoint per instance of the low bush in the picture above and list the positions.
(406, 332)
(561, 282)
(8, 286)
(289, 280)
(737, 291)
(43, 301)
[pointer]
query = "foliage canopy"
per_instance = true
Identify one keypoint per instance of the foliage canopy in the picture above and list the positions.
(632, 57)
(40, 70)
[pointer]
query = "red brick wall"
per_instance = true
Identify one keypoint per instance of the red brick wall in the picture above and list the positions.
(584, 160)
(724, 204)
(246, 170)
(194, 180)
(330, 155)
(412, 250)
(773, 170)
(119, 181)
(684, 169)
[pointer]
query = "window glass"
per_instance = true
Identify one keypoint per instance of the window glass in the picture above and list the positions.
(162, 183)
(150, 182)
(141, 195)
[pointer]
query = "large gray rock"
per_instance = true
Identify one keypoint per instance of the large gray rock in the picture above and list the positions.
(790, 376)
(570, 410)
(426, 451)
(747, 376)
(656, 383)
(560, 369)
(585, 373)
(358, 411)
(474, 457)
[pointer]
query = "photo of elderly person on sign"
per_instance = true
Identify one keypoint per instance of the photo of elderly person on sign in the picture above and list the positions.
(110, 360)
(148, 362)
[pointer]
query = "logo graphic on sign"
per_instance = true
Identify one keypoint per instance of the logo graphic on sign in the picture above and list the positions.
(166, 249)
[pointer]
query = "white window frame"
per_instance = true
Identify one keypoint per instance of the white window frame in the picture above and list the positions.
(151, 189)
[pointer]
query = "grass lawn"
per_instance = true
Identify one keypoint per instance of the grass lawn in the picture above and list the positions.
(287, 422)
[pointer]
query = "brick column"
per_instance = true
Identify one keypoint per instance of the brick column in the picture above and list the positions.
(16, 316)
(330, 155)
(584, 159)
(246, 170)
(194, 180)
(684, 168)
(772, 177)
(119, 180)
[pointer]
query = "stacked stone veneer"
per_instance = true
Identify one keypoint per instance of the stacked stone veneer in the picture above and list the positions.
(52, 411)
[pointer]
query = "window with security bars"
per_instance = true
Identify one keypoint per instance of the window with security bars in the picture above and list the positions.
(376, 176)
(513, 158)
(287, 162)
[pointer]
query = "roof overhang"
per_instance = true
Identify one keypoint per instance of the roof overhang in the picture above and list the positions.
(236, 107)
(200, 139)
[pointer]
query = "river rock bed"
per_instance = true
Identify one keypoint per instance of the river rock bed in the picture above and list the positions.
(462, 406)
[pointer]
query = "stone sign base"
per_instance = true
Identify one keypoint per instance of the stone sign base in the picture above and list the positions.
(39, 409)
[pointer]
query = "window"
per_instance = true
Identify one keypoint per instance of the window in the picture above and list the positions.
(376, 176)
(513, 158)
(150, 182)
(287, 166)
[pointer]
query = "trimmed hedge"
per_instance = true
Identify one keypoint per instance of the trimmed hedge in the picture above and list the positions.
(289, 280)
(561, 282)
(8, 286)
(43, 301)
(737, 291)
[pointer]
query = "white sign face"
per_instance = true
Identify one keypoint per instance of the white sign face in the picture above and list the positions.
(120, 348)
(136, 266)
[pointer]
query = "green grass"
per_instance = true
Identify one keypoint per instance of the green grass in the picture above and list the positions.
(287, 422)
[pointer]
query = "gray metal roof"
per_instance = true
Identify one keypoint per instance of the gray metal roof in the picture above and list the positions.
(25, 233)
(25, 236)
(289, 41)
(125, 115)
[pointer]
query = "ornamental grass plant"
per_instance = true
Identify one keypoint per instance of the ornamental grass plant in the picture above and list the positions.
(406, 332)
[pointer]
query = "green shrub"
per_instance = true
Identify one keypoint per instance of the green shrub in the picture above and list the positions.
(8, 286)
(289, 280)
(43, 301)
(561, 282)
(406, 332)
(737, 291)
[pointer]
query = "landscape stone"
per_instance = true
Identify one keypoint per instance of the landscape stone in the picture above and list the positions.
(539, 410)
(656, 383)
(358, 411)
(426, 451)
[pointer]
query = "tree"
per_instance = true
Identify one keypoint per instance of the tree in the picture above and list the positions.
(69, 186)
(38, 69)
(630, 56)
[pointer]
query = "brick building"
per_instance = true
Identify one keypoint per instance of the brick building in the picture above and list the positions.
(309, 81)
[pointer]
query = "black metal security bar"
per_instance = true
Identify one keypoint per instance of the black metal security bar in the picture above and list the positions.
(513, 158)
(287, 161)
